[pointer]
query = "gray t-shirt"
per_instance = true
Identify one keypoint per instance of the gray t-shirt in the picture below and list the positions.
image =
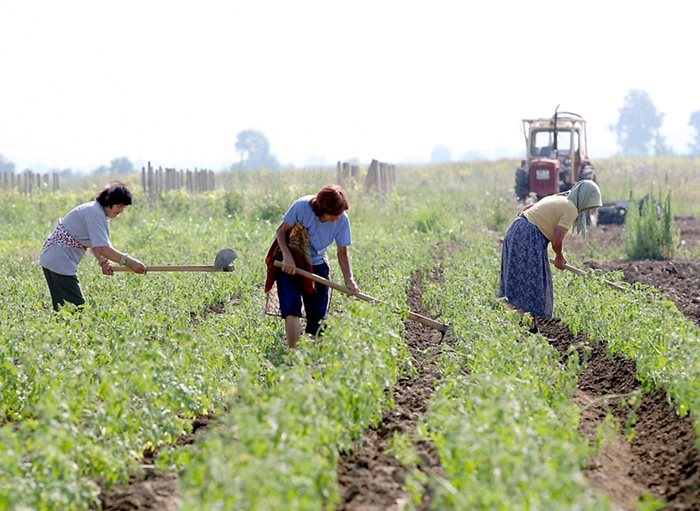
(88, 224)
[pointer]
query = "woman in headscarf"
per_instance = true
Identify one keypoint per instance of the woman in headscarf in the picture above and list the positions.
(526, 277)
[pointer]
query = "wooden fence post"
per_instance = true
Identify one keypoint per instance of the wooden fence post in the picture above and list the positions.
(372, 174)
(355, 174)
(382, 176)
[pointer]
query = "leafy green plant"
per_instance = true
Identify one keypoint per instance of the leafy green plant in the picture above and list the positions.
(233, 203)
(648, 502)
(270, 208)
(427, 219)
(649, 229)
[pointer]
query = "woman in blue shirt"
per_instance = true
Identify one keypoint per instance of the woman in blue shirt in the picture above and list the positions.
(325, 219)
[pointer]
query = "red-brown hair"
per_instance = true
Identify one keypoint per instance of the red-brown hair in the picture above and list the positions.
(330, 200)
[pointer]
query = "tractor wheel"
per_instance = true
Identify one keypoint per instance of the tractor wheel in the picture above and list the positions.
(522, 184)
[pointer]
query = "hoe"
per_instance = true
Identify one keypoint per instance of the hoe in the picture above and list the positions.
(226, 256)
(411, 315)
(223, 261)
(579, 271)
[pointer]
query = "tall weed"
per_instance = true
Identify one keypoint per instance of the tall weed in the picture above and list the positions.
(649, 229)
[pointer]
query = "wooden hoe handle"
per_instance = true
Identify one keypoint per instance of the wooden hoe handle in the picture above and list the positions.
(579, 271)
(176, 268)
(411, 315)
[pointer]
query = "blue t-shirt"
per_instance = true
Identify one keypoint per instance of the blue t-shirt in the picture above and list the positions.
(321, 234)
(88, 224)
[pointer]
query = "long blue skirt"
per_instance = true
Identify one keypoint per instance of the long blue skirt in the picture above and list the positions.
(526, 276)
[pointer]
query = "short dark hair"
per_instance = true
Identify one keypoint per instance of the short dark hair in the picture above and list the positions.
(115, 192)
(330, 200)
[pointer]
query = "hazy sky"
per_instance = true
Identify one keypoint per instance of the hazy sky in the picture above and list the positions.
(173, 82)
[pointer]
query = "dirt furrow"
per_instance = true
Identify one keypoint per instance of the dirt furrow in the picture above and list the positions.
(368, 477)
(661, 459)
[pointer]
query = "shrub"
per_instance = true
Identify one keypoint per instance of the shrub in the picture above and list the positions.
(233, 203)
(649, 229)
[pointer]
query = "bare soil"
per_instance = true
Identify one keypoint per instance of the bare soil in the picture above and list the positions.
(150, 489)
(369, 478)
(662, 459)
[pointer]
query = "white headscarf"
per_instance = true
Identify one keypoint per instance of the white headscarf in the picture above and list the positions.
(584, 194)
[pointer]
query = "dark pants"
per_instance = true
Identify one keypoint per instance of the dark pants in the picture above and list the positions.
(63, 288)
(291, 294)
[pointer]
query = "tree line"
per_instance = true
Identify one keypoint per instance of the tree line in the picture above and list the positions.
(638, 132)
(252, 146)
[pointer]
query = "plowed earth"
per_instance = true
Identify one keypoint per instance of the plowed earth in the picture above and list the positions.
(368, 477)
(660, 460)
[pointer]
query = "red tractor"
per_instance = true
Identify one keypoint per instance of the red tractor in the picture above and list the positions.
(557, 155)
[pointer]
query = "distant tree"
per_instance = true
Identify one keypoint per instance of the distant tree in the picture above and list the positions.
(661, 148)
(6, 165)
(121, 166)
(118, 166)
(254, 150)
(637, 128)
(694, 146)
(441, 154)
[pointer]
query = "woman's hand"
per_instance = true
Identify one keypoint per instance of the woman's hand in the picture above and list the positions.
(558, 246)
(352, 286)
(106, 267)
(560, 261)
(106, 254)
(288, 265)
(134, 264)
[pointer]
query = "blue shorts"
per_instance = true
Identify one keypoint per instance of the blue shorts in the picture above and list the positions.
(291, 295)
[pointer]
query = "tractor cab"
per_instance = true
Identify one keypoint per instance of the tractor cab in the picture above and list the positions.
(557, 155)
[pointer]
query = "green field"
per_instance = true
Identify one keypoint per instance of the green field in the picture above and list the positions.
(84, 396)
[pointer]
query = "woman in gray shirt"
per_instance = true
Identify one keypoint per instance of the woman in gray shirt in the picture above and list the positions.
(85, 226)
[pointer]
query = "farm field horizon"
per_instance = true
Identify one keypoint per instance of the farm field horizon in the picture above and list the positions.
(177, 391)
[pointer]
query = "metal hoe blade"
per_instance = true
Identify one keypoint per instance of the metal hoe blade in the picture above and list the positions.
(224, 258)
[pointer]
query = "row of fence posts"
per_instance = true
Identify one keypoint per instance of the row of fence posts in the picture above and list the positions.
(158, 180)
(347, 175)
(381, 176)
(29, 182)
